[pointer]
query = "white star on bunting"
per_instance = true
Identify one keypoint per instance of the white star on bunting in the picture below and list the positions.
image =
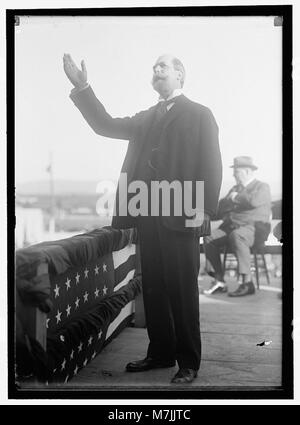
(47, 323)
(94, 354)
(72, 355)
(80, 347)
(66, 380)
(67, 283)
(105, 290)
(96, 293)
(76, 370)
(85, 296)
(62, 338)
(77, 302)
(86, 272)
(90, 340)
(77, 277)
(68, 310)
(104, 267)
(100, 334)
(63, 365)
(56, 290)
(96, 270)
(85, 362)
(58, 319)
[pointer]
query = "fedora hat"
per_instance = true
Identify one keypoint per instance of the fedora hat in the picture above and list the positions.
(243, 161)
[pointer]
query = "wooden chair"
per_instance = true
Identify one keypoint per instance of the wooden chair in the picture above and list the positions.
(262, 231)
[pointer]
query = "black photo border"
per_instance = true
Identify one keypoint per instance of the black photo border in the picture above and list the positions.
(286, 391)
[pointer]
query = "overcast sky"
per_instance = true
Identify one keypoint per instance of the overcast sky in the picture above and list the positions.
(233, 66)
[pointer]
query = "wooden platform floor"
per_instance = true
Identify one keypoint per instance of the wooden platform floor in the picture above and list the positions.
(231, 328)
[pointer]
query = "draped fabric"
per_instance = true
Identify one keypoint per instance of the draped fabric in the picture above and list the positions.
(87, 295)
(72, 252)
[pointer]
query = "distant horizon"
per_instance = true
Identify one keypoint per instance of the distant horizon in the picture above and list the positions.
(275, 185)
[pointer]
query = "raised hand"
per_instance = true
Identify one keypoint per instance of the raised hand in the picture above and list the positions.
(77, 77)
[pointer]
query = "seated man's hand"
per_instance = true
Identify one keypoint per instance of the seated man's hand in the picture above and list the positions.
(77, 77)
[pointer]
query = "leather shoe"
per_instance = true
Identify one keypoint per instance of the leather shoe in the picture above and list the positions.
(247, 288)
(184, 376)
(147, 364)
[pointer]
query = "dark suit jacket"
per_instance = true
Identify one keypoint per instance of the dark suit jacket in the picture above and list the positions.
(252, 204)
(188, 148)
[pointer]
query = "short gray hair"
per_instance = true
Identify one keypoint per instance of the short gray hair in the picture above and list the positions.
(178, 65)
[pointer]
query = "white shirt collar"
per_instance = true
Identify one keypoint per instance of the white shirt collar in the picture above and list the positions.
(176, 92)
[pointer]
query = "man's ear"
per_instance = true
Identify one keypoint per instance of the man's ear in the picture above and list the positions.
(179, 75)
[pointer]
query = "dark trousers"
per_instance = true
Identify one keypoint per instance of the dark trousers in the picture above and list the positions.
(170, 263)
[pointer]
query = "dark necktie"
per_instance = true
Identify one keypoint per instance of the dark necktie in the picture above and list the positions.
(162, 109)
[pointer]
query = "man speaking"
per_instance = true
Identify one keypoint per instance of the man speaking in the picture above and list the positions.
(175, 141)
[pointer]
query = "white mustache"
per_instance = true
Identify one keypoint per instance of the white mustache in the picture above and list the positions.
(158, 77)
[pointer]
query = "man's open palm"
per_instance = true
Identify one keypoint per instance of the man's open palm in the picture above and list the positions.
(77, 77)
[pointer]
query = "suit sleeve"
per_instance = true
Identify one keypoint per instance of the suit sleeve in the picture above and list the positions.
(100, 121)
(210, 163)
(255, 198)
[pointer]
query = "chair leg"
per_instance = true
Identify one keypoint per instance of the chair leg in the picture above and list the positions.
(266, 268)
(256, 270)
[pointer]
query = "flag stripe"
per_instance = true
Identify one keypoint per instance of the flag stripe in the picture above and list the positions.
(126, 311)
(122, 271)
(122, 255)
(124, 282)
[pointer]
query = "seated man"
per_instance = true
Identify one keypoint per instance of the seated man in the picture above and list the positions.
(248, 202)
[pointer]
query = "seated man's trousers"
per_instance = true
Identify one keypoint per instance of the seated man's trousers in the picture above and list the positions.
(240, 241)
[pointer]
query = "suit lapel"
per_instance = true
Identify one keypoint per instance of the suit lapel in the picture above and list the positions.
(173, 113)
(137, 146)
(146, 130)
(251, 185)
